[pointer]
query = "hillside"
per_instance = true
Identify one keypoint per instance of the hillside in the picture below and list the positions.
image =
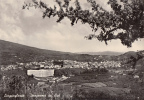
(12, 52)
(131, 54)
(111, 53)
(132, 59)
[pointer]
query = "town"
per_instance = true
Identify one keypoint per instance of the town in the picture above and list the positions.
(60, 78)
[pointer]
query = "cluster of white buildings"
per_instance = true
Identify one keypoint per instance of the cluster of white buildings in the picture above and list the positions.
(109, 64)
(88, 65)
(8, 67)
(66, 64)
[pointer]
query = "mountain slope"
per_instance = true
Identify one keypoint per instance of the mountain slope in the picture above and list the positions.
(12, 52)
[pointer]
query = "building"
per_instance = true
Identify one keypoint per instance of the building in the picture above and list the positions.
(41, 73)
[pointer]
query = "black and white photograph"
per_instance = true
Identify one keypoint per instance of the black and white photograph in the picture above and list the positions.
(71, 49)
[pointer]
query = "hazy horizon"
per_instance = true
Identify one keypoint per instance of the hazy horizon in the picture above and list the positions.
(86, 52)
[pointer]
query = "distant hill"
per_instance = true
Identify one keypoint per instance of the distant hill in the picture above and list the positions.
(13, 52)
(131, 54)
(103, 53)
(10, 53)
(132, 58)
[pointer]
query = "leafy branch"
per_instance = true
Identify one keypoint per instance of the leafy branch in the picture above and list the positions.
(128, 17)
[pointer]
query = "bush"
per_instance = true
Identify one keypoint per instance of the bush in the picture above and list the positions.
(95, 70)
(0, 76)
(68, 71)
(103, 70)
(86, 94)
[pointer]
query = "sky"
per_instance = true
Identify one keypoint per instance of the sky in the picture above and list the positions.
(29, 28)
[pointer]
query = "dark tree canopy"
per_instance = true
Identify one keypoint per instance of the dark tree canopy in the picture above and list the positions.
(126, 17)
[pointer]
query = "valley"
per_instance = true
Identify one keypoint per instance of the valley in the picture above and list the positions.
(54, 75)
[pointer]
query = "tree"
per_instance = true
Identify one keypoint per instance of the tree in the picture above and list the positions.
(0, 76)
(126, 17)
(16, 83)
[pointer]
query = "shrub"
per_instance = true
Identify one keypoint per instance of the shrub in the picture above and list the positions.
(68, 71)
(0, 76)
(86, 94)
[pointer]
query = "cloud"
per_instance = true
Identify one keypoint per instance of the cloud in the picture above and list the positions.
(14, 35)
(29, 28)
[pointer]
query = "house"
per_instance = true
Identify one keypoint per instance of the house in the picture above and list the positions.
(40, 83)
(136, 76)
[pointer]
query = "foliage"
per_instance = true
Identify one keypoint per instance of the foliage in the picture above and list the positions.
(15, 83)
(0, 76)
(68, 71)
(93, 94)
(79, 71)
(97, 70)
(126, 17)
(18, 84)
